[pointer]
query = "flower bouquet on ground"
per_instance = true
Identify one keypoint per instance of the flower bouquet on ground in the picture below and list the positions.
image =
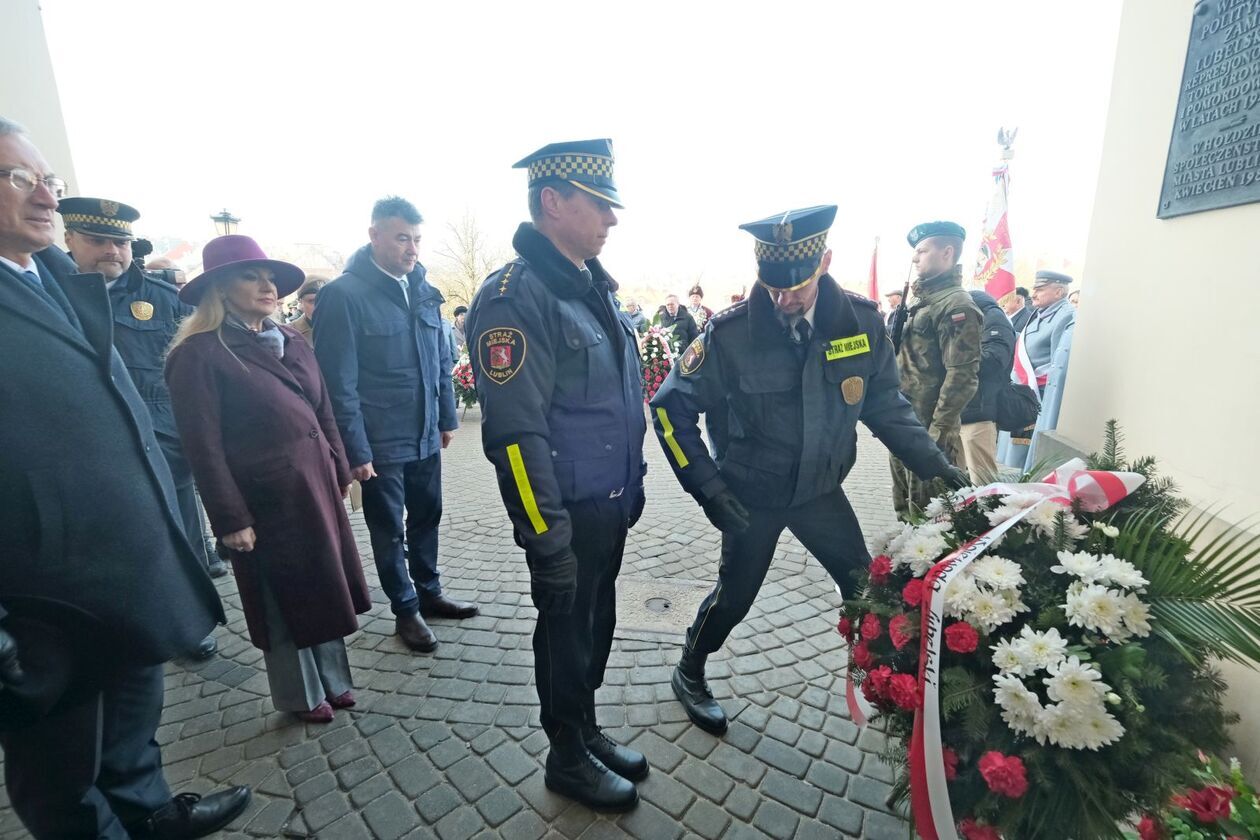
(465, 387)
(657, 358)
(1220, 806)
(1041, 653)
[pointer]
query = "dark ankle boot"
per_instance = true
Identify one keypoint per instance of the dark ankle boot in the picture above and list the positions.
(573, 772)
(625, 762)
(693, 692)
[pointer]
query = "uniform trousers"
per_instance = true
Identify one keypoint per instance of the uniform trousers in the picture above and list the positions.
(571, 651)
(979, 443)
(406, 557)
(94, 767)
(826, 526)
(301, 678)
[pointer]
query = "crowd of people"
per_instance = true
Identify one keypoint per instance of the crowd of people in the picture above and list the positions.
(134, 399)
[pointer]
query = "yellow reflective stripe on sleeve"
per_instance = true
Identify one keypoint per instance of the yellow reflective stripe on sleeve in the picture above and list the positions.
(668, 428)
(524, 488)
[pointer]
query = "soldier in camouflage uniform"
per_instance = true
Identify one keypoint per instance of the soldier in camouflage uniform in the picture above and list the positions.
(939, 353)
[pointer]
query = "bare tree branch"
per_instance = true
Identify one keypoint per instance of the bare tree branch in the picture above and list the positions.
(466, 258)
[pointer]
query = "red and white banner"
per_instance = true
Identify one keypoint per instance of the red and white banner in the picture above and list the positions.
(995, 263)
(872, 289)
(929, 792)
(1022, 370)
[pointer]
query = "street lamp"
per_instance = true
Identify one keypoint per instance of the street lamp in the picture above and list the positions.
(224, 222)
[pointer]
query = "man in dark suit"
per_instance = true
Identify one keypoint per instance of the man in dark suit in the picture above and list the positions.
(98, 584)
(380, 345)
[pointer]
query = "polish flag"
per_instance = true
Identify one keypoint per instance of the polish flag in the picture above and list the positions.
(995, 263)
(1022, 370)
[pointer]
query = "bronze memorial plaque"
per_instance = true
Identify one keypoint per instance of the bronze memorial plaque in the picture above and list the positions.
(1214, 154)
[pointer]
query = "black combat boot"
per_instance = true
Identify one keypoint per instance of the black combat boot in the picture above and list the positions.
(693, 692)
(625, 762)
(573, 772)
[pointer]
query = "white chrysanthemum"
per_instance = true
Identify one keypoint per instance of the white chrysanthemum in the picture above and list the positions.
(934, 529)
(989, 610)
(879, 543)
(1057, 724)
(958, 595)
(1043, 517)
(893, 549)
(1136, 615)
(1074, 528)
(1022, 500)
(998, 572)
(935, 508)
(1096, 727)
(1011, 596)
(921, 552)
(1020, 707)
(1075, 684)
(1095, 607)
(1002, 513)
(1010, 657)
(1120, 573)
(1044, 649)
(1079, 564)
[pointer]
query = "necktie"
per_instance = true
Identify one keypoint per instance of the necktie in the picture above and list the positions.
(801, 332)
(37, 285)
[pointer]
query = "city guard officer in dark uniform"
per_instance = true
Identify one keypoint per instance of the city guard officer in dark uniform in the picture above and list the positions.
(783, 379)
(561, 390)
(146, 312)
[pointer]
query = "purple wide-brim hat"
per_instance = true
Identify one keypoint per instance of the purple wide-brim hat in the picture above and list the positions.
(225, 254)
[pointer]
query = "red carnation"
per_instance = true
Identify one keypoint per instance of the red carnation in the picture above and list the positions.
(961, 637)
(951, 763)
(881, 568)
(1210, 803)
(1149, 829)
(871, 628)
(870, 692)
(845, 627)
(1004, 774)
(912, 594)
(862, 656)
(900, 630)
(903, 689)
(972, 830)
(878, 679)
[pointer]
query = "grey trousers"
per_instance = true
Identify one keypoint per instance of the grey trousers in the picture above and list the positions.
(301, 678)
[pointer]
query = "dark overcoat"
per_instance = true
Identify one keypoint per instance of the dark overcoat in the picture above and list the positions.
(90, 530)
(997, 354)
(264, 448)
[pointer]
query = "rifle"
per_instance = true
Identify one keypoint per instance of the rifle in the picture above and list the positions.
(899, 315)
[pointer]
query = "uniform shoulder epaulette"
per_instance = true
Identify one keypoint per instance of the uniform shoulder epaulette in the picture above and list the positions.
(503, 282)
(162, 284)
(856, 298)
(729, 312)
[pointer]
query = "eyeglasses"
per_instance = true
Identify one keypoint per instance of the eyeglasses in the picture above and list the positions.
(26, 181)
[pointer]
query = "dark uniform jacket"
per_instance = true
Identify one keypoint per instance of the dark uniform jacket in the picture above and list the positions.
(784, 426)
(997, 354)
(90, 535)
(146, 315)
(561, 389)
(386, 362)
(1021, 318)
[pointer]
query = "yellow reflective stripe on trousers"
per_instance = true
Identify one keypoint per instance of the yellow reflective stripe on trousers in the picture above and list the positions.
(668, 428)
(524, 488)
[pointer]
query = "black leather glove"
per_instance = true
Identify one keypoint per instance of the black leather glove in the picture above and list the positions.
(637, 510)
(553, 582)
(727, 513)
(10, 667)
(955, 479)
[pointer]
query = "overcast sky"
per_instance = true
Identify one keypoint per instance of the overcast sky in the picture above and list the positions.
(297, 115)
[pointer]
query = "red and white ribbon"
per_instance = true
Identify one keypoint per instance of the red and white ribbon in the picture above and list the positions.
(929, 792)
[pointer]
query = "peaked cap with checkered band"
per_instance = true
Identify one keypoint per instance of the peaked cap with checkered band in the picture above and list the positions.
(586, 164)
(791, 245)
(98, 216)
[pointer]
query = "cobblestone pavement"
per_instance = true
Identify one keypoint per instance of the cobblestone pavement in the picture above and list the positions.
(448, 745)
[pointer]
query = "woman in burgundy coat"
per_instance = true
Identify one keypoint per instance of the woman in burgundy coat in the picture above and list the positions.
(258, 429)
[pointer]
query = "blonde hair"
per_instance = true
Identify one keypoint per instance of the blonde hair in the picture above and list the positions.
(207, 317)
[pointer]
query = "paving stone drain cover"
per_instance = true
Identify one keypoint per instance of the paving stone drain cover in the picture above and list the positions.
(657, 607)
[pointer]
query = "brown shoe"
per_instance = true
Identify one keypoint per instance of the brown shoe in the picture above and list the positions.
(440, 606)
(415, 633)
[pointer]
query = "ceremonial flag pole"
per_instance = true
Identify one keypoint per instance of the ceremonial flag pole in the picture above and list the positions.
(995, 263)
(872, 290)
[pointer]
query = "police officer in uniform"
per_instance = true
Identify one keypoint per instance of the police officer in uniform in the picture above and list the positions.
(560, 383)
(146, 313)
(939, 352)
(1053, 315)
(783, 378)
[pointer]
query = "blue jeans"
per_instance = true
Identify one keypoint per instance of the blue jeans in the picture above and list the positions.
(406, 558)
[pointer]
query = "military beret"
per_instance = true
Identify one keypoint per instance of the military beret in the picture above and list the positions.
(98, 216)
(586, 164)
(791, 245)
(929, 229)
(1045, 278)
